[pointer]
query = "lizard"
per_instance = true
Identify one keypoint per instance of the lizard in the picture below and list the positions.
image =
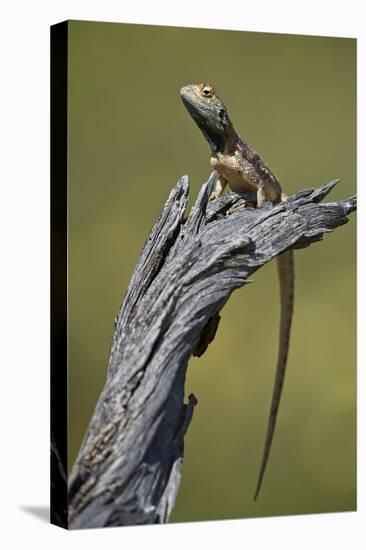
(239, 166)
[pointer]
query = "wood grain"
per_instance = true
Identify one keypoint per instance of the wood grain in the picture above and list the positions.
(128, 470)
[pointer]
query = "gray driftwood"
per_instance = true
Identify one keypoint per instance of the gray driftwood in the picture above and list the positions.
(128, 469)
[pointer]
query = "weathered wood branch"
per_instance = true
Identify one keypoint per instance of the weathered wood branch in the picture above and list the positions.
(129, 466)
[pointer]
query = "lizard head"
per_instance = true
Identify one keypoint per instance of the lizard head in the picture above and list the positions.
(208, 112)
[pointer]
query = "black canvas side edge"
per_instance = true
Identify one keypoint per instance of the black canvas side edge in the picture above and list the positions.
(59, 500)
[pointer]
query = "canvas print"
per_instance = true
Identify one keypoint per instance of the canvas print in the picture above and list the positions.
(186, 164)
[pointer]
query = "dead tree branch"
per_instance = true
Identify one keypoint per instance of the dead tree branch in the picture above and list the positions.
(129, 466)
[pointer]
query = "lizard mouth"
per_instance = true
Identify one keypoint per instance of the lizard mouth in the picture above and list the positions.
(198, 111)
(203, 116)
(185, 92)
(187, 98)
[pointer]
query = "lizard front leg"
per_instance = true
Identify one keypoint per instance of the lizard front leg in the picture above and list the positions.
(219, 188)
(261, 195)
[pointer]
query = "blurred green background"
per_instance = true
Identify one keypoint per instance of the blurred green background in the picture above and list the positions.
(130, 138)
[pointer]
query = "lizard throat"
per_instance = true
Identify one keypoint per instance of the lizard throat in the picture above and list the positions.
(220, 142)
(217, 142)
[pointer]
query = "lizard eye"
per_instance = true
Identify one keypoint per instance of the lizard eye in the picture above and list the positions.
(207, 91)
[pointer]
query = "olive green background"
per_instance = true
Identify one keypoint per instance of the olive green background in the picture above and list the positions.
(130, 138)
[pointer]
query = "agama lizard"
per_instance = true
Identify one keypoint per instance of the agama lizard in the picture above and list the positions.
(244, 170)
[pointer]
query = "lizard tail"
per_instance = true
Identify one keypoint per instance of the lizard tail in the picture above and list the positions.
(285, 264)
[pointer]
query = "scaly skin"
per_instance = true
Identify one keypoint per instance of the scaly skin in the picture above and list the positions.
(244, 170)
